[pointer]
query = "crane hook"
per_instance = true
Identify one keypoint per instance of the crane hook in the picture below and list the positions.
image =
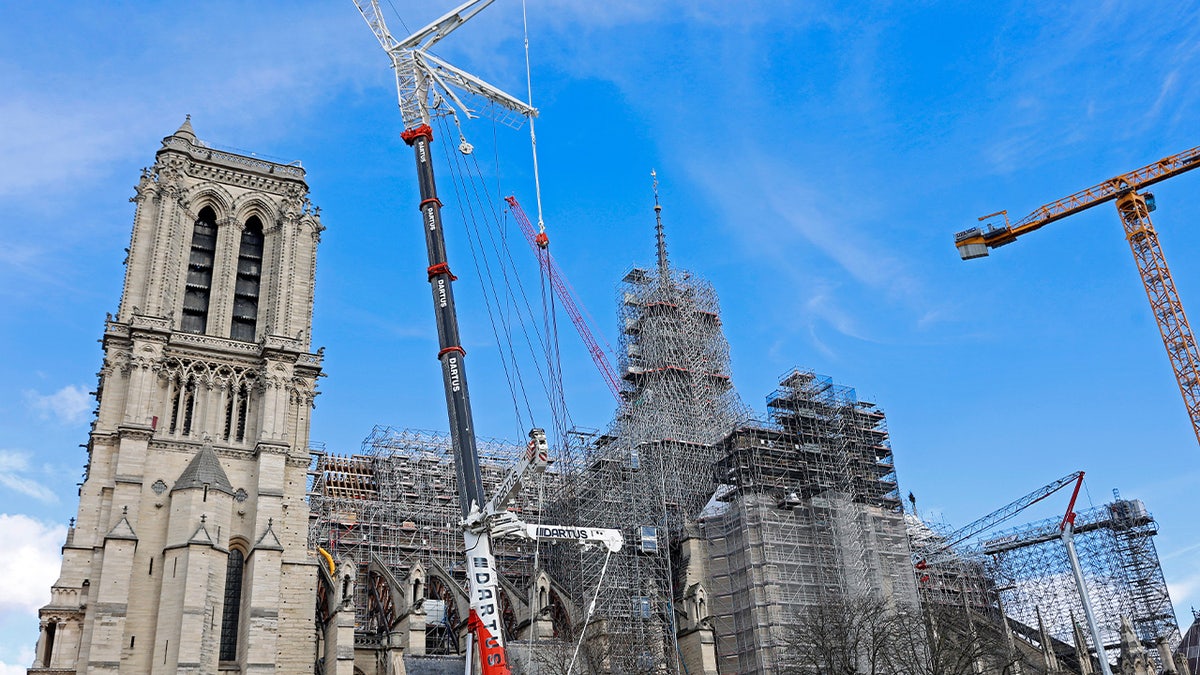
(463, 146)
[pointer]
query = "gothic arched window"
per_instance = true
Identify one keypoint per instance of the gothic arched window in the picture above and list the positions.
(200, 272)
(249, 273)
(233, 604)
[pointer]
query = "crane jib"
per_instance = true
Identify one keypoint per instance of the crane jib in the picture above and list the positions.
(1134, 206)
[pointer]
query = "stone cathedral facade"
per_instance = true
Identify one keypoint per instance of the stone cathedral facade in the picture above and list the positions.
(188, 554)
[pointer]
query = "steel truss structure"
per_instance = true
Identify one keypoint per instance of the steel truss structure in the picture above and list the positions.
(1115, 544)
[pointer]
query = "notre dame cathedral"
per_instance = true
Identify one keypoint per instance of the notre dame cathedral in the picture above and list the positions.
(189, 551)
(192, 550)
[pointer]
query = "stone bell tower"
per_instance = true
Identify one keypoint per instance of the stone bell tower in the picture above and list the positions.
(188, 554)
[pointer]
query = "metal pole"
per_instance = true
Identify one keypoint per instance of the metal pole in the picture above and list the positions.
(483, 590)
(1069, 540)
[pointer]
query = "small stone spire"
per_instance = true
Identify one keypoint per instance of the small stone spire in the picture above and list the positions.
(1164, 655)
(1081, 648)
(1048, 654)
(1134, 659)
(185, 130)
(660, 236)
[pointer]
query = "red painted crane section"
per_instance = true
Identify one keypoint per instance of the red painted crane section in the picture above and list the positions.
(566, 295)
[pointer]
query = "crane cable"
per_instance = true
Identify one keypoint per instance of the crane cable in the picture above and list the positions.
(591, 609)
(499, 301)
(486, 277)
(537, 183)
(558, 403)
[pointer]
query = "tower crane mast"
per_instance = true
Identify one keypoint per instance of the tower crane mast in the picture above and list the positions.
(1134, 208)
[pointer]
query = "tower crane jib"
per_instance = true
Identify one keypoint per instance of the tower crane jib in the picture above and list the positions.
(1134, 208)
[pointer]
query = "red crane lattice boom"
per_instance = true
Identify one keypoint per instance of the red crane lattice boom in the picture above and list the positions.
(566, 296)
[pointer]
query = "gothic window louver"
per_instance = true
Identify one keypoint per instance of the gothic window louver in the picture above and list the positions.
(249, 274)
(199, 272)
(243, 408)
(182, 403)
(189, 405)
(233, 604)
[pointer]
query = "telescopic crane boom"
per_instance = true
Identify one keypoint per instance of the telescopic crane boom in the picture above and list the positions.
(423, 83)
(1134, 209)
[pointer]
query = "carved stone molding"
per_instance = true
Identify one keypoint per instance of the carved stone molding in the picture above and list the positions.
(213, 342)
(137, 432)
(189, 447)
(282, 343)
(150, 323)
(271, 448)
(299, 462)
(114, 329)
(310, 359)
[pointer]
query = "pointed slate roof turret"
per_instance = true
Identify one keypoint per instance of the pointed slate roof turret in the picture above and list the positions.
(204, 470)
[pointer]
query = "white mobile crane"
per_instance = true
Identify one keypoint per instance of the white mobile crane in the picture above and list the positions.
(427, 85)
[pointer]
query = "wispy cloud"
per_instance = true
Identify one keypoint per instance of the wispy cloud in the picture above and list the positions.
(1185, 591)
(69, 405)
(826, 256)
(24, 657)
(30, 564)
(58, 133)
(15, 475)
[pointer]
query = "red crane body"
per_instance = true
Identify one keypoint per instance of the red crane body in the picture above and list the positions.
(539, 242)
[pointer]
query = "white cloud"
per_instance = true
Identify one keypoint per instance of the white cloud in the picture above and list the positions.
(1185, 591)
(13, 469)
(64, 131)
(68, 405)
(24, 658)
(30, 564)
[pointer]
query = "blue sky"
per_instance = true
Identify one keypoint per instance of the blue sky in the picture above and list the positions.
(815, 161)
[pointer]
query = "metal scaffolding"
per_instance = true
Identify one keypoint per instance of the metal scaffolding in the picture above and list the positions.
(1115, 544)
(809, 512)
(397, 500)
(651, 473)
(774, 516)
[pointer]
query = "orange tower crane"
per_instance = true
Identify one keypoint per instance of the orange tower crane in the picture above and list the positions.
(1134, 209)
